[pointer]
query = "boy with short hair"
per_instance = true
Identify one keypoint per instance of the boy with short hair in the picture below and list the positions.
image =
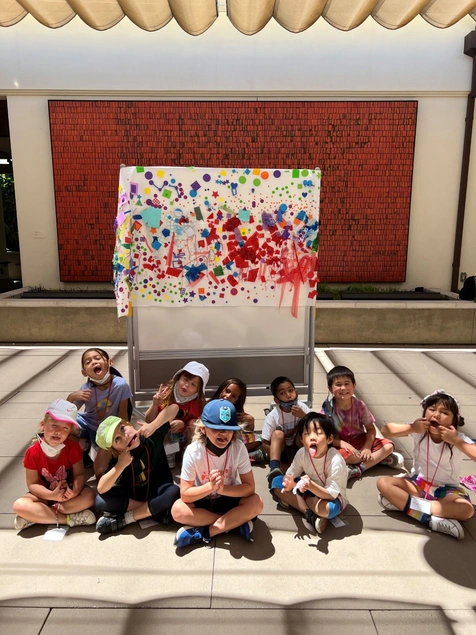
(279, 433)
(357, 435)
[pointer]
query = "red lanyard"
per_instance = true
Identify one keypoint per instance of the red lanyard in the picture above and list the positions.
(437, 465)
(107, 403)
(324, 470)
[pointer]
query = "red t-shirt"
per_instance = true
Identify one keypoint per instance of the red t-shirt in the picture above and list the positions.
(58, 469)
(191, 410)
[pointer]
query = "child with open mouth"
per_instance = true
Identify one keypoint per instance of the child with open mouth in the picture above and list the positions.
(432, 494)
(105, 393)
(315, 483)
(138, 483)
(55, 474)
(217, 486)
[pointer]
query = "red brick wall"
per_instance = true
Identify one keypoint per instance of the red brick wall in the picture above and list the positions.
(365, 151)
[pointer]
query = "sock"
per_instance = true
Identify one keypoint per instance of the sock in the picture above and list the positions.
(129, 518)
(417, 515)
(362, 467)
(68, 518)
(206, 534)
(274, 463)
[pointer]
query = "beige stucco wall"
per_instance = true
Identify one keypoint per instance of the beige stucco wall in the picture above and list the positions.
(417, 62)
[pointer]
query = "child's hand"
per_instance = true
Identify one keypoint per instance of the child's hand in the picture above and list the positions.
(248, 421)
(81, 395)
(160, 395)
(216, 480)
(288, 483)
(350, 448)
(58, 493)
(449, 435)
(145, 429)
(366, 455)
(303, 483)
(297, 411)
(125, 459)
(177, 425)
(420, 425)
(69, 494)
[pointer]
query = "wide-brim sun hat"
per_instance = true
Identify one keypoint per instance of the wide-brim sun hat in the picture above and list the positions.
(62, 410)
(220, 414)
(105, 432)
(197, 369)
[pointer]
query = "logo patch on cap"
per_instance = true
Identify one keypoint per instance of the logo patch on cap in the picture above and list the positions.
(225, 414)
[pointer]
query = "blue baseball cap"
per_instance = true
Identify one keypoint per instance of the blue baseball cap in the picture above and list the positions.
(220, 414)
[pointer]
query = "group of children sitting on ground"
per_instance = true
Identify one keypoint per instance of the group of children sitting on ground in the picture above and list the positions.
(312, 455)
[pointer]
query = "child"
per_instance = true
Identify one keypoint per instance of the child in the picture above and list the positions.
(55, 474)
(104, 393)
(138, 483)
(217, 487)
(234, 390)
(279, 429)
(321, 471)
(357, 436)
(187, 389)
(432, 493)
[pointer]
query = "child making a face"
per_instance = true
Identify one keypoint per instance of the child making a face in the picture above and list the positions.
(217, 487)
(315, 483)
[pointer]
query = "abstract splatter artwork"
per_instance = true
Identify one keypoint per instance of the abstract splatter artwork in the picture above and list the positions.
(216, 236)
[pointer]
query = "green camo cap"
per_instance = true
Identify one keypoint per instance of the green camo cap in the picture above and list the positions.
(105, 432)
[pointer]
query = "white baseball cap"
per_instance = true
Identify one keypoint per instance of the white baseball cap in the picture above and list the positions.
(62, 410)
(195, 368)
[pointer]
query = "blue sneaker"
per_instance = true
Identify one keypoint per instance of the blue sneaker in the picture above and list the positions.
(246, 531)
(186, 536)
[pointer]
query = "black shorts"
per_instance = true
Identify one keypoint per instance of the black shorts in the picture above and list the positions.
(218, 505)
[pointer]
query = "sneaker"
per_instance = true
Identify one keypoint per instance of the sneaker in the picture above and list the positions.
(353, 471)
(171, 460)
(246, 531)
(387, 505)
(393, 460)
(82, 518)
(187, 535)
(320, 524)
(164, 517)
(108, 523)
(257, 456)
(447, 526)
(310, 521)
(276, 471)
(21, 523)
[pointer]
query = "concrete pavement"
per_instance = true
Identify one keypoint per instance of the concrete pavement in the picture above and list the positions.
(380, 574)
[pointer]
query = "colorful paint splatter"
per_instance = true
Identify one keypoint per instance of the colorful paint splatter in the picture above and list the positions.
(189, 236)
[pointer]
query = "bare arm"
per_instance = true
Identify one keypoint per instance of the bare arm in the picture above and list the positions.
(420, 426)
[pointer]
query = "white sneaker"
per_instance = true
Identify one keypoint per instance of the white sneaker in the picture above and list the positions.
(82, 518)
(385, 504)
(171, 460)
(320, 524)
(21, 523)
(447, 526)
(393, 460)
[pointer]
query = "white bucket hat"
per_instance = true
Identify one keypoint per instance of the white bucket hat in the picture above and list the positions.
(195, 368)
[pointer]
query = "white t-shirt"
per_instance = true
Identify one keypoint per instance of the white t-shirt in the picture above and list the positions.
(277, 419)
(197, 464)
(448, 471)
(328, 471)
